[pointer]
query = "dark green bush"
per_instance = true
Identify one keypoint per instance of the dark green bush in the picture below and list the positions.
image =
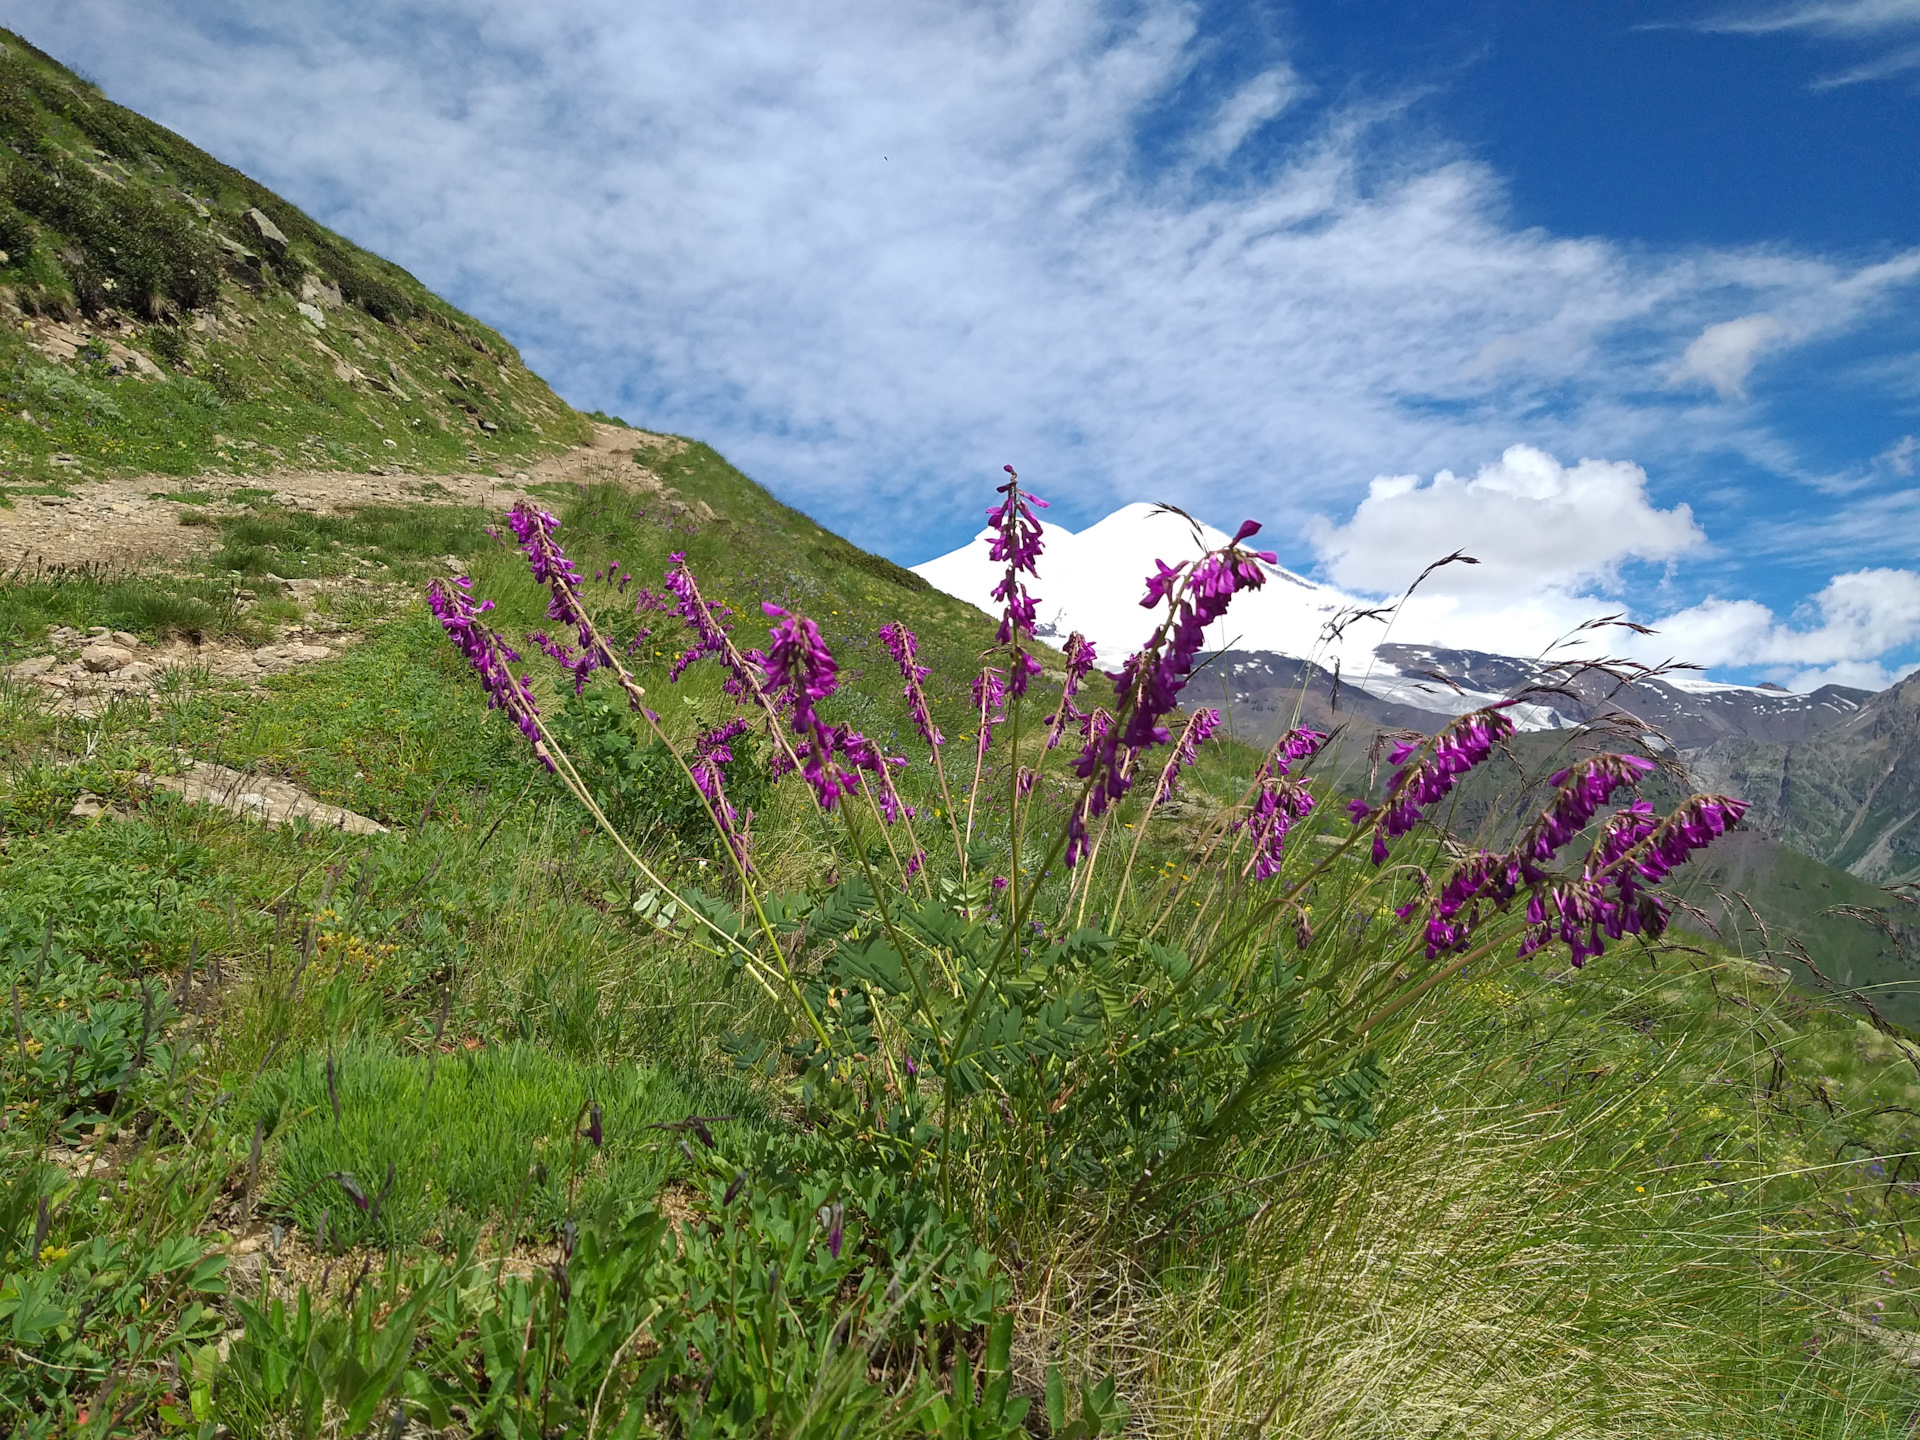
(640, 784)
(16, 234)
(129, 248)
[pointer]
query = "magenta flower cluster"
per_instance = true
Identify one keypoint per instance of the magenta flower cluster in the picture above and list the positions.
(489, 655)
(1016, 542)
(1282, 802)
(1426, 781)
(534, 529)
(1080, 657)
(902, 646)
(1148, 687)
(989, 702)
(1608, 898)
(709, 626)
(712, 750)
(799, 666)
(1583, 790)
(1198, 731)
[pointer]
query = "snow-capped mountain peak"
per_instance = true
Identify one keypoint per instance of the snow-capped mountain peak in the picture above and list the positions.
(1285, 635)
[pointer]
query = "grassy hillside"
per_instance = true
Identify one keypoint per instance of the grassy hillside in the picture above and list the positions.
(1634, 1163)
(528, 1114)
(172, 316)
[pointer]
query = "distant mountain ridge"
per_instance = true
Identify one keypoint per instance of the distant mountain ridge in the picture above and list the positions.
(1849, 794)
(1833, 774)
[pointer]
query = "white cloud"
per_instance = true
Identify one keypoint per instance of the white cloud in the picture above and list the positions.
(1857, 620)
(1532, 523)
(1246, 110)
(1845, 20)
(1552, 539)
(874, 250)
(1836, 17)
(1724, 354)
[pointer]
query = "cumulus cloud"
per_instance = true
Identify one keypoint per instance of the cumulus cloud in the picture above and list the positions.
(1851, 625)
(1724, 354)
(1552, 541)
(875, 250)
(1533, 524)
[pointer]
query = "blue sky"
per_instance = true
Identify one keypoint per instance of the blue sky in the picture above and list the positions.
(1247, 258)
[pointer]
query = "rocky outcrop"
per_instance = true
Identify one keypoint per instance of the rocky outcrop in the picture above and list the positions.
(1848, 795)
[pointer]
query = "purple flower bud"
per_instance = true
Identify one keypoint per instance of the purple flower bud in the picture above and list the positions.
(901, 645)
(490, 657)
(835, 1218)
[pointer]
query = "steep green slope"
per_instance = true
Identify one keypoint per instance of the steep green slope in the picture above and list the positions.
(170, 314)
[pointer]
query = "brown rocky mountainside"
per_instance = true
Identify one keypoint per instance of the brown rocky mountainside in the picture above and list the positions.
(1848, 794)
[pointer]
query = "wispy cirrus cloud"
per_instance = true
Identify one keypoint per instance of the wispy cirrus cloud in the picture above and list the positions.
(1872, 23)
(873, 251)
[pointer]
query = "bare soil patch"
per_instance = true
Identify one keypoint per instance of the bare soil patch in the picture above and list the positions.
(129, 522)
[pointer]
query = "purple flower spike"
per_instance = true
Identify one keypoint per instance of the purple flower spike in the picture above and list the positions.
(1420, 783)
(1584, 789)
(901, 645)
(989, 695)
(1198, 731)
(535, 530)
(712, 750)
(1016, 541)
(798, 663)
(1080, 659)
(1148, 686)
(1281, 802)
(490, 657)
(712, 629)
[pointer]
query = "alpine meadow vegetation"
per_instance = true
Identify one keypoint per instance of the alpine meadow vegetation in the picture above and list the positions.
(808, 1010)
(762, 996)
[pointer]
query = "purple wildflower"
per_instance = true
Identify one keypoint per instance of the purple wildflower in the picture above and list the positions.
(1017, 541)
(711, 751)
(1198, 731)
(1463, 744)
(1148, 686)
(798, 662)
(901, 645)
(836, 1227)
(1080, 659)
(1280, 805)
(989, 694)
(550, 566)
(1584, 789)
(489, 655)
(1608, 899)
(1281, 802)
(711, 625)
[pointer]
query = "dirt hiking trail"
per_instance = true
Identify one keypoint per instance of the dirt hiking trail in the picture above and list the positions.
(128, 523)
